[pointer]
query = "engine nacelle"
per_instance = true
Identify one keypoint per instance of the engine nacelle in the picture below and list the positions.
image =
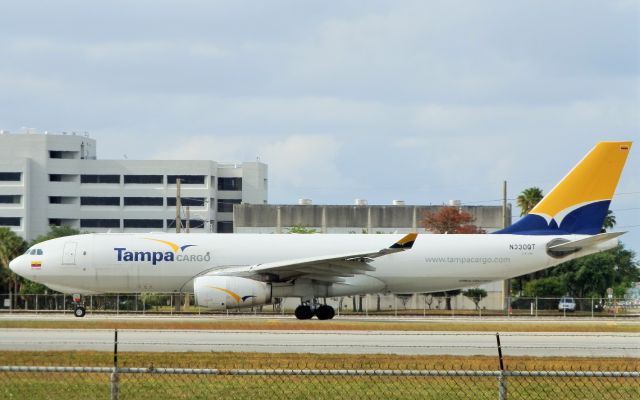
(227, 292)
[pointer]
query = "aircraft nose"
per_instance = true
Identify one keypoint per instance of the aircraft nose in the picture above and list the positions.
(14, 265)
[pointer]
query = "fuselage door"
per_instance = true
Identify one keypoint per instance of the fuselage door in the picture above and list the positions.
(69, 253)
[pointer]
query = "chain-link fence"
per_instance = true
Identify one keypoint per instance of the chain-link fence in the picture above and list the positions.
(179, 383)
(174, 370)
(415, 305)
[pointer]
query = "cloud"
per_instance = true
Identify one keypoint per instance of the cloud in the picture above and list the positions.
(305, 161)
(297, 163)
(424, 101)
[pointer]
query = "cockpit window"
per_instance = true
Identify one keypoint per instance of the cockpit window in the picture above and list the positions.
(32, 252)
(35, 252)
(39, 252)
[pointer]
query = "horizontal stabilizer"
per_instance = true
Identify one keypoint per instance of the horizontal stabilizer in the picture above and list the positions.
(586, 242)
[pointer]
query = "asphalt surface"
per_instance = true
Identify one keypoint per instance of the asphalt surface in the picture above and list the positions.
(331, 342)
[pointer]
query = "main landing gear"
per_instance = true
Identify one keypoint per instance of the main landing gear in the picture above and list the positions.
(322, 311)
(79, 310)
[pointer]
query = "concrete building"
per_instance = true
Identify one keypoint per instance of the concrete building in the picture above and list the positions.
(373, 219)
(56, 179)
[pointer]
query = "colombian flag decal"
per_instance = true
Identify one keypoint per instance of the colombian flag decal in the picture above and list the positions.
(36, 264)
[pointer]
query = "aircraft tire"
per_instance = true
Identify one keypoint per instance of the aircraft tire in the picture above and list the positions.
(304, 312)
(79, 312)
(325, 312)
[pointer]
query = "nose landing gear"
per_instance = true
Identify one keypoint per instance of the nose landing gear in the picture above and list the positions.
(79, 309)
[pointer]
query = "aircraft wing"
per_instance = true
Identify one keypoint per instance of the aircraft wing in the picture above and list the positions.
(329, 268)
(589, 241)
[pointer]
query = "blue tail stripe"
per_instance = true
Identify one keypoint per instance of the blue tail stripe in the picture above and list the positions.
(586, 220)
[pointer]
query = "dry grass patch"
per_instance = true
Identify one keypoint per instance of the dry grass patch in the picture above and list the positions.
(336, 325)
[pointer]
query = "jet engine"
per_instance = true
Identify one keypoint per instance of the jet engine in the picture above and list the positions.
(228, 292)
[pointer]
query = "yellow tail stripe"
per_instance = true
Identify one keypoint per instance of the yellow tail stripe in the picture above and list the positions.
(594, 178)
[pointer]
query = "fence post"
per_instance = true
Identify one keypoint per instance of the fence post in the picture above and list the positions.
(502, 379)
(36, 303)
(366, 311)
(395, 304)
(115, 378)
(502, 386)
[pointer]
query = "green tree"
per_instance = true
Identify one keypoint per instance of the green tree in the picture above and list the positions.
(447, 295)
(551, 286)
(588, 276)
(11, 246)
(528, 199)
(476, 295)
(609, 221)
(301, 229)
(55, 232)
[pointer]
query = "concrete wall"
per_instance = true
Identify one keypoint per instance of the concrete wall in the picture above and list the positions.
(350, 219)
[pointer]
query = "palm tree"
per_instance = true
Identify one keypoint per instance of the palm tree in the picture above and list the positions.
(528, 199)
(609, 220)
(11, 246)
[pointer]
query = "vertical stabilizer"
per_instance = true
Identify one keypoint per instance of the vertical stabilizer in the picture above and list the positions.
(579, 203)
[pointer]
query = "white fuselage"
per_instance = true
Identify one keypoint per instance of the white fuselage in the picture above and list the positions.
(102, 263)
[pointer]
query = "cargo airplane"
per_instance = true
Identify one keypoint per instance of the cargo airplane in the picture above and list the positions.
(229, 271)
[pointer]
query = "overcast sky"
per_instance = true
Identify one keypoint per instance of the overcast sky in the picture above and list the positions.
(422, 101)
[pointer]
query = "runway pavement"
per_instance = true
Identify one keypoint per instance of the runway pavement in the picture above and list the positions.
(336, 342)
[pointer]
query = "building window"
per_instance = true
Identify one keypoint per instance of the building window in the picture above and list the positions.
(9, 221)
(64, 154)
(186, 179)
(10, 176)
(226, 205)
(62, 178)
(186, 201)
(99, 201)
(10, 199)
(61, 222)
(99, 223)
(143, 223)
(143, 179)
(229, 183)
(193, 223)
(99, 178)
(62, 200)
(225, 227)
(143, 201)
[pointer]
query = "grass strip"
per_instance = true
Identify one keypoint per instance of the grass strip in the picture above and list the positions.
(145, 386)
(235, 360)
